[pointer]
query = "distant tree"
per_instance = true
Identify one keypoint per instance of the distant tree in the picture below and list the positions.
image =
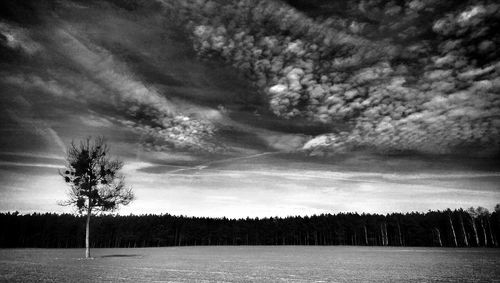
(94, 180)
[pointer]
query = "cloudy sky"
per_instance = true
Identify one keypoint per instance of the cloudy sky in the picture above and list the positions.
(255, 108)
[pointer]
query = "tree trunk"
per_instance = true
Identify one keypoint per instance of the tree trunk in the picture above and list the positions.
(438, 237)
(453, 231)
(386, 235)
(493, 241)
(87, 234)
(382, 241)
(383, 232)
(475, 230)
(399, 235)
(366, 236)
(180, 239)
(466, 242)
(484, 231)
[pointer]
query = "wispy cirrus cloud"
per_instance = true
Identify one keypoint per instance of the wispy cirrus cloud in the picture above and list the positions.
(17, 164)
(19, 38)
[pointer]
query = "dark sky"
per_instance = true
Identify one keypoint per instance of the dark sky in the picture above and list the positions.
(372, 107)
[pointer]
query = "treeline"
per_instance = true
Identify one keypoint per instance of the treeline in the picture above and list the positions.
(457, 228)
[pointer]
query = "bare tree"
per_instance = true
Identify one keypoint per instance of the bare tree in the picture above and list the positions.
(95, 183)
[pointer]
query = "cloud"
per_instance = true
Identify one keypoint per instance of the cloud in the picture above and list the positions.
(56, 139)
(389, 106)
(300, 192)
(96, 121)
(16, 164)
(102, 66)
(283, 142)
(79, 68)
(18, 38)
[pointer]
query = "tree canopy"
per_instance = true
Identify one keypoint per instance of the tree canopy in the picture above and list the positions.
(95, 183)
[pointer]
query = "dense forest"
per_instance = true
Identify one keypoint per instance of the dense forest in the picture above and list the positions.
(448, 228)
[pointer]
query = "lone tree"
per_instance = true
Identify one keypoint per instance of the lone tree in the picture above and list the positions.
(96, 185)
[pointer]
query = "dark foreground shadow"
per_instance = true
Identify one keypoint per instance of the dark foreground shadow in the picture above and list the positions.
(120, 255)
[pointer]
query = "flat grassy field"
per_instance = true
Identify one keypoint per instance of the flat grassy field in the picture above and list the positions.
(252, 263)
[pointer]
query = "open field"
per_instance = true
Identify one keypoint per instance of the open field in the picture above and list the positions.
(252, 263)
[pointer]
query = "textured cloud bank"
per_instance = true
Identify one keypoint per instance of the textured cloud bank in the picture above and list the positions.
(421, 76)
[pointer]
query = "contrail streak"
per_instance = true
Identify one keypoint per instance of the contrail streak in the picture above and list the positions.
(205, 165)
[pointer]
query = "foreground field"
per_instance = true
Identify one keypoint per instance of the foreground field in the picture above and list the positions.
(252, 263)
